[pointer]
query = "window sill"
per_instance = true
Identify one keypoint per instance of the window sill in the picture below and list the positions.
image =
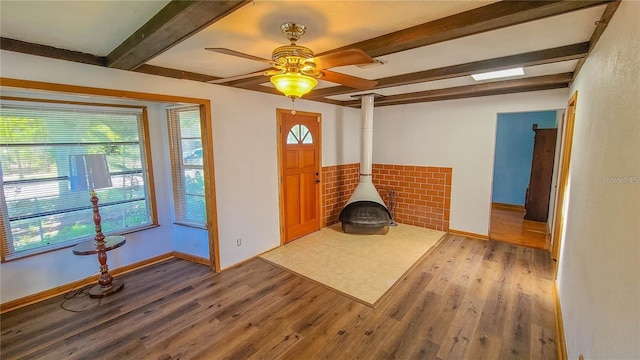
(191, 225)
(70, 244)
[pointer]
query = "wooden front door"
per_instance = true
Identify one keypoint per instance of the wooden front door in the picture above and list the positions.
(299, 152)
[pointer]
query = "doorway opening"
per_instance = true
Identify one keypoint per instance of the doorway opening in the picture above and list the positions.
(525, 165)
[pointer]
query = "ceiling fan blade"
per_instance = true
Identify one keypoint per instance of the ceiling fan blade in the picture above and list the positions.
(348, 80)
(239, 54)
(238, 77)
(342, 58)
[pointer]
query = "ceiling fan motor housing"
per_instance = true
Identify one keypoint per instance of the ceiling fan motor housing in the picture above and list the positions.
(293, 58)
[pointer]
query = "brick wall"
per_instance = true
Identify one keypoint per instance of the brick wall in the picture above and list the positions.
(339, 182)
(422, 194)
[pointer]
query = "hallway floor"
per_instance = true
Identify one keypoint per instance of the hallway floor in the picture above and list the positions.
(508, 225)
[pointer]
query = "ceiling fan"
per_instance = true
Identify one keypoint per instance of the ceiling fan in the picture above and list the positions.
(295, 66)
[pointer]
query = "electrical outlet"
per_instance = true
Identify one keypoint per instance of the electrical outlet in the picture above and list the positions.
(239, 242)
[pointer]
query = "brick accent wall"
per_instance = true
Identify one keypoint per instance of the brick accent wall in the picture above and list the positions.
(422, 194)
(339, 183)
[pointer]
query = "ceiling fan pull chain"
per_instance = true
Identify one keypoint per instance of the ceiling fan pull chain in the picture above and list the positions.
(293, 106)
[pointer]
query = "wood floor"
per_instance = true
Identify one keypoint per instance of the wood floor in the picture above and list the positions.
(508, 225)
(469, 299)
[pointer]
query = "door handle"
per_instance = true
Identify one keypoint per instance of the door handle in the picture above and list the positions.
(317, 181)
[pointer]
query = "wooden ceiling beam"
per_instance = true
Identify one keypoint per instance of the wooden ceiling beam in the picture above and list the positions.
(563, 53)
(484, 89)
(174, 73)
(502, 91)
(174, 23)
(486, 18)
(250, 81)
(50, 52)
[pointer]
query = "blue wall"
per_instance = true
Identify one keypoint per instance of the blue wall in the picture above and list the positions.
(514, 152)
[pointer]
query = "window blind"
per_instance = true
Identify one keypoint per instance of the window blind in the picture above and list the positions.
(187, 165)
(40, 212)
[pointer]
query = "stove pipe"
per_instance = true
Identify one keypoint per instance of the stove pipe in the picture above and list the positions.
(366, 212)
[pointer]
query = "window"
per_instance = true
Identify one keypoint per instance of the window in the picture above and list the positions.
(39, 211)
(187, 166)
(299, 134)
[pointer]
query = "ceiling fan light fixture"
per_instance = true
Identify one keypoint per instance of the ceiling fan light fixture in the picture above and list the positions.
(295, 68)
(293, 85)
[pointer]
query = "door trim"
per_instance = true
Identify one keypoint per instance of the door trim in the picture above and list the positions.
(563, 178)
(279, 137)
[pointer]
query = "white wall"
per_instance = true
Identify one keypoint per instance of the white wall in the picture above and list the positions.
(599, 271)
(244, 138)
(341, 137)
(460, 134)
(246, 166)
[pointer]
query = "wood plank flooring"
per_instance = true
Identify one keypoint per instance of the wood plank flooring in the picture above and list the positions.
(509, 225)
(469, 299)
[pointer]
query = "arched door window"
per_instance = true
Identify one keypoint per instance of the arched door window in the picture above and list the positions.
(299, 134)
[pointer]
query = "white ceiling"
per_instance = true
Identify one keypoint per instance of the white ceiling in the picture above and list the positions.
(343, 28)
(98, 27)
(255, 29)
(90, 26)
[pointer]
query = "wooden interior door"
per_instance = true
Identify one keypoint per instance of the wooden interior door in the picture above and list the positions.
(299, 173)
